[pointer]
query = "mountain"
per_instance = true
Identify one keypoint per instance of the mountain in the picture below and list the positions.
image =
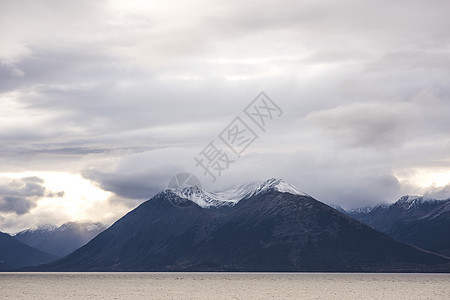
(429, 232)
(14, 254)
(264, 226)
(416, 220)
(62, 240)
(338, 208)
(407, 208)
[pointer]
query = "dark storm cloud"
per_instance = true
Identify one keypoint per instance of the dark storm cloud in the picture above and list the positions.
(20, 195)
(19, 205)
(135, 186)
(26, 187)
(140, 176)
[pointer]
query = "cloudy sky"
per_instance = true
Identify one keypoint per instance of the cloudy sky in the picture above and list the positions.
(102, 102)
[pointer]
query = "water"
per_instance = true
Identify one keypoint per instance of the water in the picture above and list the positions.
(223, 286)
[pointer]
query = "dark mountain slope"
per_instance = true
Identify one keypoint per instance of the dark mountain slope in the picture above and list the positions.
(431, 232)
(270, 231)
(284, 232)
(407, 208)
(424, 223)
(14, 254)
(61, 240)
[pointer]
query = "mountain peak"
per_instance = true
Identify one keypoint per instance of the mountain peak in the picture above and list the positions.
(232, 196)
(278, 185)
(409, 199)
(408, 202)
(62, 240)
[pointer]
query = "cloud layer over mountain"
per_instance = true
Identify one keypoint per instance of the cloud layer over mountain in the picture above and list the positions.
(126, 94)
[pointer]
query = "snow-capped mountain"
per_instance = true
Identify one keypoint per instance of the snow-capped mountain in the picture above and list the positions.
(363, 210)
(421, 221)
(407, 208)
(230, 196)
(61, 240)
(407, 202)
(442, 209)
(266, 226)
(338, 208)
(415, 202)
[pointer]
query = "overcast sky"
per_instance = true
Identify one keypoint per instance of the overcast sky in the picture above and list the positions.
(102, 102)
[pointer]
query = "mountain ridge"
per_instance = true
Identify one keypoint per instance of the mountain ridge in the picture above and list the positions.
(419, 221)
(15, 254)
(60, 240)
(269, 231)
(233, 195)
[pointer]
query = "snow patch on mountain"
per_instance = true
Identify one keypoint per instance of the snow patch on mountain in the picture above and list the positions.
(41, 228)
(407, 202)
(410, 202)
(369, 209)
(362, 210)
(48, 228)
(233, 195)
(444, 208)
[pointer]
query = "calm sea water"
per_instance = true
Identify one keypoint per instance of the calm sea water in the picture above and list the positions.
(223, 286)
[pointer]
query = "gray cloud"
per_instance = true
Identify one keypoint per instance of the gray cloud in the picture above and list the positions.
(59, 194)
(366, 124)
(28, 186)
(137, 177)
(438, 192)
(129, 95)
(20, 195)
(19, 205)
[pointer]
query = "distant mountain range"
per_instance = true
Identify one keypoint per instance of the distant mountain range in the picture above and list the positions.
(61, 240)
(14, 254)
(263, 226)
(419, 221)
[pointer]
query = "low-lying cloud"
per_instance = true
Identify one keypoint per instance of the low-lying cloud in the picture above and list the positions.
(20, 195)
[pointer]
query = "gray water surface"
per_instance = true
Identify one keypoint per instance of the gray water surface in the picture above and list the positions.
(223, 286)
